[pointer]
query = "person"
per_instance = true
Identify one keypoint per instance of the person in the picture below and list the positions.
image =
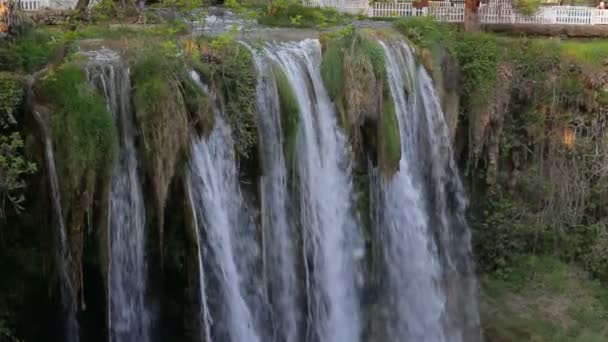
(602, 5)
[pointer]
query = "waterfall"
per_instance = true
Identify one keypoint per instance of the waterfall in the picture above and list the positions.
(218, 204)
(421, 222)
(127, 312)
(62, 256)
(279, 236)
(330, 232)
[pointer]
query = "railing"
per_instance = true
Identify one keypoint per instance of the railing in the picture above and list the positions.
(29, 5)
(397, 9)
(446, 11)
(347, 6)
(494, 12)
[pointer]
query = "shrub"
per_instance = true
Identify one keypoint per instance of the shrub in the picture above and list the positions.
(13, 166)
(82, 127)
(27, 53)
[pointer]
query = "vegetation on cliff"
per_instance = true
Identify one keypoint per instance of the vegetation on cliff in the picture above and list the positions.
(13, 165)
(354, 73)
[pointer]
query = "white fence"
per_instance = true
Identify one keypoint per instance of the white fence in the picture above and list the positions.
(502, 12)
(493, 12)
(446, 11)
(30, 5)
(347, 6)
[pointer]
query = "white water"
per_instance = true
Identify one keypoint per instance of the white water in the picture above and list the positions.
(205, 314)
(277, 229)
(448, 204)
(62, 256)
(218, 203)
(127, 279)
(330, 232)
(413, 267)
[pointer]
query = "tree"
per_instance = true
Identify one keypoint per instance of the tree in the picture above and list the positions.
(13, 166)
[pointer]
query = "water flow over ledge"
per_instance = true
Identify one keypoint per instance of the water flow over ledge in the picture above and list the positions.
(218, 202)
(128, 316)
(330, 232)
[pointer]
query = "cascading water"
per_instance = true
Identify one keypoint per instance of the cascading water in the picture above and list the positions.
(279, 237)
(330, 231)
(127, 312)
(448, 203)
(205, 315)
(218, 204)
(63, 256)
(413, 208)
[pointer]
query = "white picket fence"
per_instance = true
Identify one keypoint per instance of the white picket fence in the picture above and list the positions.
(346, 6)
(30, 5)
(493, 12)
(502, 12)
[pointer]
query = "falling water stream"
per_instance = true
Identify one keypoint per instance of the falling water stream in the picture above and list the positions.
(295, 272)
(62, 255)
(279, 235)
(331, 234)
(128, 316)
(218, 203)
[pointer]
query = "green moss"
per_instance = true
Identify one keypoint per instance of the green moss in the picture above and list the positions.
(389, 139)
(235, 79)
(83, 129)
(290, 114)
(331, 71)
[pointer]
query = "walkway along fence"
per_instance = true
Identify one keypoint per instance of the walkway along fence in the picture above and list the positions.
(493, 12)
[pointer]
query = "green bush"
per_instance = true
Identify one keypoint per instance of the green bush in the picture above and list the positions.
(235, 79)
(13, 165)
(28, 52)
(528, 7)
(83, 129)
(296, 15)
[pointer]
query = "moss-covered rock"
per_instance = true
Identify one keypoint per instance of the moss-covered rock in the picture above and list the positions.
(389, 139)
(85, 143)
(162, 113)
(290, 114)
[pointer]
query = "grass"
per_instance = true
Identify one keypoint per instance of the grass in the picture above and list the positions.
(543, 299)
(82, 126)
(332, 72)
(594, 52)
(26, 53)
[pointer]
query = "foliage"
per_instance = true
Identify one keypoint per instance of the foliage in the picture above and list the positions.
(28, 52)
(426, 32)
(543, 299)
(331, 71)
(527, 7)
(83, 125)
(235, 78)
(284, 14)
(594, 52)
(13, 166)
(6, 334)
(11, 94)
